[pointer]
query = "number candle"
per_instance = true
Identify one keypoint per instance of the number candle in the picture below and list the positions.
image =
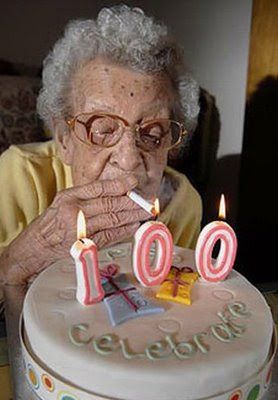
(84, 253)
(217, 230)
(149, 233)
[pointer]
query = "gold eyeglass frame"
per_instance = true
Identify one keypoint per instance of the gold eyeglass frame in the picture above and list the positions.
(72, 121)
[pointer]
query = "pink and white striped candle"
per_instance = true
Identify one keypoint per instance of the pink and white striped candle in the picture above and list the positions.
(149, 233)
(84, 252)
(216, 270)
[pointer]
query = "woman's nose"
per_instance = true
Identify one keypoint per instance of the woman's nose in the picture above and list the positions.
(126, 155)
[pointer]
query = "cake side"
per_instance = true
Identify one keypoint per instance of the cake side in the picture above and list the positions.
(70, 338)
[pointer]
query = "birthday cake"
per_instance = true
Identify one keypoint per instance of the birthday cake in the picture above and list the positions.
(134, 345)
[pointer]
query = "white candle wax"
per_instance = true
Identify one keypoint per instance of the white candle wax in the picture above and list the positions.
(217, 230)
(89, 288)
(145, 236)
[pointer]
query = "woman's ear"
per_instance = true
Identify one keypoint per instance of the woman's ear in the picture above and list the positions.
(64, 142)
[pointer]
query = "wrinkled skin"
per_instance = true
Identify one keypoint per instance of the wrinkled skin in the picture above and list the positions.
(101, 176)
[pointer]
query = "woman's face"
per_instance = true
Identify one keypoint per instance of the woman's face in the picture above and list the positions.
(136, 97)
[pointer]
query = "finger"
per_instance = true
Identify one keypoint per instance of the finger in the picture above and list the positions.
(112, 220)
(107, 204)
(105, 188)
(115, 235)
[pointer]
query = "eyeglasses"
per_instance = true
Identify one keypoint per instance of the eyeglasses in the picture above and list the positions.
(106, 130)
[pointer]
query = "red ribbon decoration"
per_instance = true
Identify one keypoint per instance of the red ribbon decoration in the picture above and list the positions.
(108, 272)
(176, 280)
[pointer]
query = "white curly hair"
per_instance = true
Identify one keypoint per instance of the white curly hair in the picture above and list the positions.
(125, 36)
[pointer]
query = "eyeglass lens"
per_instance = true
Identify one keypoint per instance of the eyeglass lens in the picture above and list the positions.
(106, 131)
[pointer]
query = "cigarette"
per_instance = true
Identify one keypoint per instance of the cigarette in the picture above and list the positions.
(150, 208)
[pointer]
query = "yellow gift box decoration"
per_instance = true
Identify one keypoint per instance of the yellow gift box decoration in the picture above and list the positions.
(178, 284)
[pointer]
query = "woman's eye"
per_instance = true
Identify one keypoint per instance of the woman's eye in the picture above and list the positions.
(153, 131)
(150, 139)
(103, 131)
(102, 127)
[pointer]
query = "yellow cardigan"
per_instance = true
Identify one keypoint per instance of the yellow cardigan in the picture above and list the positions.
(31, 175)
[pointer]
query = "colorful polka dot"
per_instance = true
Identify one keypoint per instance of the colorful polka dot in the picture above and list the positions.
(254, 393)
(48, 383)
(33, 376)
(236, 395)
(66, 396)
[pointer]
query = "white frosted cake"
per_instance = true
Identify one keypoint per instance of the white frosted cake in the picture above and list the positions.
(219, 347)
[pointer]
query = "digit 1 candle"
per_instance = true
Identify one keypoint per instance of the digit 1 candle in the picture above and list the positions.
(152, 232)
(218, 270)
(84, 252)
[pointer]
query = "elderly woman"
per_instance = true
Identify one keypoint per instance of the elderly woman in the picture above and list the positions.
(116, 97)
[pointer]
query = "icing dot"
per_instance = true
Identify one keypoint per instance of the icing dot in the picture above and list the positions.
(33, 376)
(254, 393)
(169, 326)
(236, 395)
(67, 294)
(177, 258)
(223, 294)
(116, 253)
(66, 396)
(48, 383)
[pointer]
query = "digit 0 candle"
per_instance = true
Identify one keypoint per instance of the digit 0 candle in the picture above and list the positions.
(84, 252)
(219, 269)
(152, 232)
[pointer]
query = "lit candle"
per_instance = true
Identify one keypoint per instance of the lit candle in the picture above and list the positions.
(84, 253)
(152, 232)
(217, 230)
(150, 208)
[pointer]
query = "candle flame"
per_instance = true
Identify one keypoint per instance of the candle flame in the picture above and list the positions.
(222, 207)
(156, 207)
(81, 225)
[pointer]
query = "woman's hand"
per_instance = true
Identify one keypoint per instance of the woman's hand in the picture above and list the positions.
(110, 217)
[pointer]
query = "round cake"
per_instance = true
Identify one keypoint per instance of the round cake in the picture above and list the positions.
(219, 347)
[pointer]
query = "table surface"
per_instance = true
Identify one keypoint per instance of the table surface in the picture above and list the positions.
(14, 297)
